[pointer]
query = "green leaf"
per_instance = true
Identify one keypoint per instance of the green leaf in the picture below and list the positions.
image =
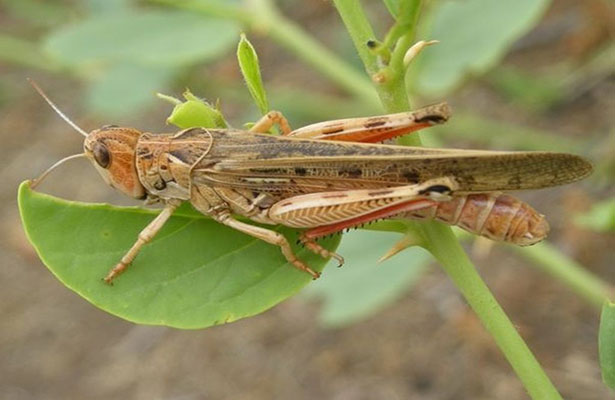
(164, 38)
(600, 218)
(606, 344)
(363, 286)
(126, 88)
(195, 273)
(248, 62)
(195, 112)
(474, 35)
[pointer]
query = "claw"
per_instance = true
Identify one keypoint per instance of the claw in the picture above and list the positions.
(315, 275)
(340, 259)
(118, 269)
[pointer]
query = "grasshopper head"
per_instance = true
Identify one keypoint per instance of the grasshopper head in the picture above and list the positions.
(112, 151)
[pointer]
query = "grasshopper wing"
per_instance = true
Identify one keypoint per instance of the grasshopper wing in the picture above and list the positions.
(287, 165)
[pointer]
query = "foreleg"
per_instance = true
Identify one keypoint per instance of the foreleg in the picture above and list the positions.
(145, 236)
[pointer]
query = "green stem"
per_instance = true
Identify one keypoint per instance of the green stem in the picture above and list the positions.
(360, 32)
(406, 22)
(389, 80)
(439, 239)
(447, 250)
(395, 71)
(552, 261)
(389, 85)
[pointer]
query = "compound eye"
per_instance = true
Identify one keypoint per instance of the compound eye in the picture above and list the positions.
(101, 155)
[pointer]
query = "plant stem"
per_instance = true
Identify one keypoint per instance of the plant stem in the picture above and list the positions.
(389, 85)
(549, 259)
(443, 245)
(438, 238)
(389, 80)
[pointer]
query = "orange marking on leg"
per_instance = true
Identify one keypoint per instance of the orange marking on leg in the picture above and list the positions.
(386, 212)
(321, 251)
(375, 136)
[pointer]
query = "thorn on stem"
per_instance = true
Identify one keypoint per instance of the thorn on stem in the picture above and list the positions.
(405, 242)
(416, 49)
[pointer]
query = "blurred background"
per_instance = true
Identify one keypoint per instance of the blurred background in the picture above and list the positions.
(520, 75)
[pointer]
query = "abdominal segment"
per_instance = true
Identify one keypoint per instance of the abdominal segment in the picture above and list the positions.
(496, 216)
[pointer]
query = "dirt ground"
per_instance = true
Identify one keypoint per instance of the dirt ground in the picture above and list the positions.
(428, 345)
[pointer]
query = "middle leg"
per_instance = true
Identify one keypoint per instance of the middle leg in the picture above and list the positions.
(268, 236)
(268, 120)
(145, 236)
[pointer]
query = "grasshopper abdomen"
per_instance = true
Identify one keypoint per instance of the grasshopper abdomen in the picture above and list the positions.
(496, 216)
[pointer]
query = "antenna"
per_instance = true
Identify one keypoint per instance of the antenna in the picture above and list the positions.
(56, 109)
(38, 180)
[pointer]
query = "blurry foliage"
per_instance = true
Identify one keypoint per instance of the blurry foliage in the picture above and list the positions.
(535, 93)
(364, 287)
(474, 35)
(125, 52)
(606, 343)
(38, 13)
(136, 53)
(601, 217)
(24, 53)
(106, 94)
(162, 39)
(109, 6)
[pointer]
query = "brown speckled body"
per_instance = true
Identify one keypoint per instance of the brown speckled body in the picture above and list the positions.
(271, 168)
(281, 165)
(304, 179)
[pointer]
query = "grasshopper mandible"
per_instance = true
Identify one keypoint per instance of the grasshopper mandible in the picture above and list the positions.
(324, 178)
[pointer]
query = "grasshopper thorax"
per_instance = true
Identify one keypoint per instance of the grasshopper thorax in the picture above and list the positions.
(112, 151)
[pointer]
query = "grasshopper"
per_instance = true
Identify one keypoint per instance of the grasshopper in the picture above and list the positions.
(323, 178)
